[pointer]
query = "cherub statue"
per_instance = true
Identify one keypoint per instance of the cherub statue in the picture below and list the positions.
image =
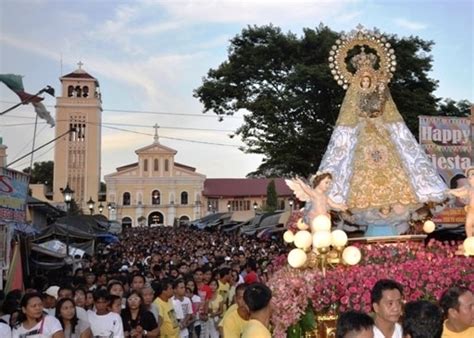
(467, 193)
(316, 196)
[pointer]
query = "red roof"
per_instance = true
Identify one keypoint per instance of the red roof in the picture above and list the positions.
(241, 187)
(79, 75)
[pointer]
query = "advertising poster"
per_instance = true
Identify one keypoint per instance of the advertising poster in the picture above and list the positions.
(13, 192)
(448, 143)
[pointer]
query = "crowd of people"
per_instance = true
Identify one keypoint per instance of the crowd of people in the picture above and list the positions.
(180, 282)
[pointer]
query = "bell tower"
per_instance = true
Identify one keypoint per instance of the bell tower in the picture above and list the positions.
(77, 156)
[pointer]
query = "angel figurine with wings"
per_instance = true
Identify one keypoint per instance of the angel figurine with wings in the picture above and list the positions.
(317, 201)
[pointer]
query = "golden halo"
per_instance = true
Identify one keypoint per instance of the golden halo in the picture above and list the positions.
(361, 37)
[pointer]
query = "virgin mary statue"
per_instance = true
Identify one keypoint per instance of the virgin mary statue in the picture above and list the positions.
(379, 170)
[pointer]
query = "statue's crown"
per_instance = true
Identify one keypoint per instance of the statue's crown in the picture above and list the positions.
(364, 60)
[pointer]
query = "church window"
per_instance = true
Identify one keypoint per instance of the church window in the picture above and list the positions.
(78, 91)
(85, 91)
(184, 198)
(167, 164)
(145, 165)
(126, 198)
(155, 197)
(70, 90)
(155, 165)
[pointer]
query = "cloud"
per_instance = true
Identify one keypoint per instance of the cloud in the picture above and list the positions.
(410, 25)
(348, 17)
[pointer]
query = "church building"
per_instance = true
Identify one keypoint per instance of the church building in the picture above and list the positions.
(155, 190)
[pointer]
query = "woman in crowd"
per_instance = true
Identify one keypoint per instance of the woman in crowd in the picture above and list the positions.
(80, 297)
(216, 309)
(137, 321)
(73, 327)
(32, 320)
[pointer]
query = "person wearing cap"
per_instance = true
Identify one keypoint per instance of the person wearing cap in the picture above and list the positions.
(50, 297)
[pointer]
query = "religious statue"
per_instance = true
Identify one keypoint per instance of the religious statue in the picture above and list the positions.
(379, 170)
(467, 194)
(317, 201)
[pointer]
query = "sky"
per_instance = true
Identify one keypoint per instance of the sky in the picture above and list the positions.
(149, 56)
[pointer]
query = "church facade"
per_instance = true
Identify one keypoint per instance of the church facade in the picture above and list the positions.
(155, 190)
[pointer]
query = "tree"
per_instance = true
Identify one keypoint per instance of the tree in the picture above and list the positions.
(43, 172)
(284, 84)
(272, 197)
(452, 108)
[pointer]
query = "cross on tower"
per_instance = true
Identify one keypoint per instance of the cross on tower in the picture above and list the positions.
(80, 64)
(156, 138)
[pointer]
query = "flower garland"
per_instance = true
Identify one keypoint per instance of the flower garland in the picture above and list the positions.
(425, 272)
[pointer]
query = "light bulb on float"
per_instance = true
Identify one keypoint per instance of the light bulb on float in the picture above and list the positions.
(321, 239)
(288, 236)
(321, 223)
(468, 246)
(303, 239)
(296, 258)
(302, 225)
(351, 255)
(338, 238)
(429, 226)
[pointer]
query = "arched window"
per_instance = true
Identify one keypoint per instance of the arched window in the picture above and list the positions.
(167, 164)
(85, 91)
(184, 220)
(155, 165)
(70, 90)
(155, 197)
(184, 198)
(126, 198)
(145, 165)
(78, 91)
(126, 222)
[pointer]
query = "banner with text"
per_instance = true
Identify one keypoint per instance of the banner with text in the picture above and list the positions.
(448, 143)
(13, 192)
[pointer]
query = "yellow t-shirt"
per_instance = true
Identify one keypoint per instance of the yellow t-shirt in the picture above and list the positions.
(214, 304)
(223, 290)
(232, 324)
(169, 327)
(255, 329)
(469, 333)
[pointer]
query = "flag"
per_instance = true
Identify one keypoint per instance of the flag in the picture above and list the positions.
(43, 113)
(15, 83)
(15, 271)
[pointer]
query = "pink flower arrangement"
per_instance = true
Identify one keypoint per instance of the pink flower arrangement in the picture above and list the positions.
(424, 271)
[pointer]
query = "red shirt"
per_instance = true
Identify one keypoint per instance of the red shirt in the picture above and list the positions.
(251, 278)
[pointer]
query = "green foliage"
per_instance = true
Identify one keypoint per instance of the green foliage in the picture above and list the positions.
(272, 197)
(284, 85)
(452, 108)
(43, 172)
(74, 209)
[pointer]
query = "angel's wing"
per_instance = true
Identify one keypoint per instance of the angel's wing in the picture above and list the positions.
(297, 186)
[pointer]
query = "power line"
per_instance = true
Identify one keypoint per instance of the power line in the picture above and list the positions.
(149, 112)
(31, 141)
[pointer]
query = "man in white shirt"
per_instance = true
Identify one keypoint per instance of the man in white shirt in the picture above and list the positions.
(387, 300)
(183, 308)
(103, 322)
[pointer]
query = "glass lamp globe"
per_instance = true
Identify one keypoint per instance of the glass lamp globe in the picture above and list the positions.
(296, 258)
(288, 236)
(351, 255)
(321, 223)
(338, 238)
(429, 226)
(322, 239)
(468, 246)
(303, 239)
